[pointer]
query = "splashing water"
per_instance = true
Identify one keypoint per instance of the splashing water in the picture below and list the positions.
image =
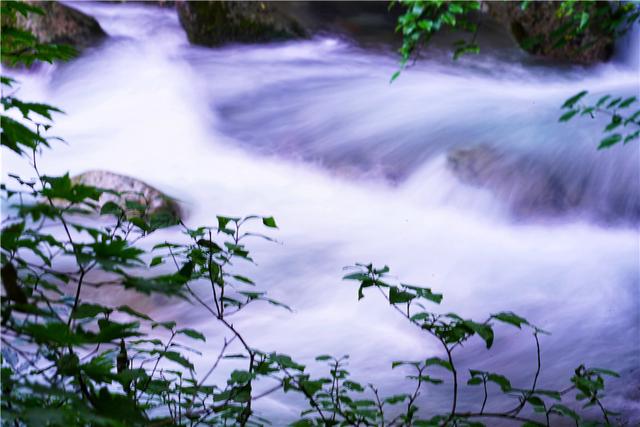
(356, 169)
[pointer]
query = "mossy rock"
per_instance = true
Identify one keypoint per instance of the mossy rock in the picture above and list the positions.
(214, 23)
(61, 24)
(132, 192)
(527, 186)
(539, 30)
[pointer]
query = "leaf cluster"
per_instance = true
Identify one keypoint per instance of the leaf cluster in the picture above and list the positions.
(624, 125)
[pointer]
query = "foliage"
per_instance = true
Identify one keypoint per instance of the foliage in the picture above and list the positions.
(617, 129)
(424, 18)
(20, 46)
(574, 18)
(68, 359)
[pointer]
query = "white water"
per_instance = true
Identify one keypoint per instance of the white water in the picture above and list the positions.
(354, 170)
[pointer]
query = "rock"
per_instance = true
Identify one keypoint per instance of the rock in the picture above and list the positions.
(526, 186)
(362, 21)
(533, 29)
(62, 24)
(161, 3)
(134, 190)
(213, 23)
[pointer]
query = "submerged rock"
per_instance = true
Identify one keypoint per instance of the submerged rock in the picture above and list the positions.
(213, 23)
(536, 28)
(133, 190)
(532, 186)
(528, 188)
(62, 24)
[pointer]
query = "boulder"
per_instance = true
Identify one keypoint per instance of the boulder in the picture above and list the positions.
(528, 188)
(214, 23)
(362, 21)
(161, 3)
(536, 28)
(131, 190)
(62, 24)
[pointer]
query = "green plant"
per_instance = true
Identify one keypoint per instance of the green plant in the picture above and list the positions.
(424, 18)
(70, 359)
(616, 130)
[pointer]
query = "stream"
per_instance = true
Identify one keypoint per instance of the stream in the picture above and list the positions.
(355, 169)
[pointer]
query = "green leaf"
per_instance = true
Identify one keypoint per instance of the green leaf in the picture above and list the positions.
(178, 358)
(568, 115)
(605, 372)
(614, 102)
(111, 208)
(510, 318)
(439, 362)
(397, 363)
(111, 331)
(632, 118)
(240, 377)
(397, 296)
(474, 381)
(223, 221)
(550, 393)
(191, 333)
(18, 137)
(156, 261)
(483, 330)
(212, 246)
(616, 120)
(501, 380)
(564, 411)
(425, 293)
(602, 100)
(356, 276)
(536, 401)
(631, 136)
(397, 398)
(53, 333)
(303, 423)
(89, 310)
(285, 361)
(609, 141)
(269, 221)
(7, 81)
(584, 20)
(130, 311)
(243, 279)
(455, 8)
(627, 102)
(311, 387)
(63, 188)
(171, 284)
(569, 103)
(99, 368)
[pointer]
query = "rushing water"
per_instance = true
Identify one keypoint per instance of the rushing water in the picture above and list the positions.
(355, 170)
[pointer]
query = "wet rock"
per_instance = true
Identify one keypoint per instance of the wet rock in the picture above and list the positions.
(161, 3)
(133, 190)
(527, 186)
(214, 23)
(62, 24)
(362, 21)
(534, 28)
